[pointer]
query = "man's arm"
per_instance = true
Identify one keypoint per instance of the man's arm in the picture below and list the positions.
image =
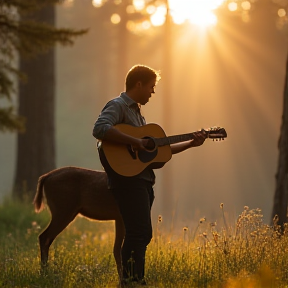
(111, 115)
(197, 141)
(115, 135)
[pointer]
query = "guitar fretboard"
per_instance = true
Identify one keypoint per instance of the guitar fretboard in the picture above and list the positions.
(174, 139)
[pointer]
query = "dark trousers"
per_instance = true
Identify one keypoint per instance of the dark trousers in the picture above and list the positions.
(135, 198)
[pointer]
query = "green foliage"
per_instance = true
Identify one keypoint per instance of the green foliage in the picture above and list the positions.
(21, 34)
(246, 254)
(10, 121)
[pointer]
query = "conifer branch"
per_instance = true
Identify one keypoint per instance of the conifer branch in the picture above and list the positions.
(10, 121)
(20, 34)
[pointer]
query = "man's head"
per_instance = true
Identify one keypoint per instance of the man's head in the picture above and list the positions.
(140, 83)
(140, 73)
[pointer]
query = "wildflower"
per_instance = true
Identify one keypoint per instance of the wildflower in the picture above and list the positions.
(202, 220)
(185, 229)
(160, 219)
(221, 205)
(246, 208)
(215, 236)
(213, 224)
(204, 234)
(82, 268)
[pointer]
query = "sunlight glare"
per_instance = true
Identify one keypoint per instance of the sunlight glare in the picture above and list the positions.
(131, 26)
(130, 9)
(158, 18)
(177, 17)
(97, 3)
(203, 18)
(150, 9)
(246, 5)
(232, 6)
(281, 12)
(146, 25)
(198, 12)
(115, 18)
(139, 4)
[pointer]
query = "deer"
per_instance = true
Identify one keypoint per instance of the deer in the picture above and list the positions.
(70, 191)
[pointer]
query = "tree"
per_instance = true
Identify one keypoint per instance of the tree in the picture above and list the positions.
(279, 213)
(9, 120)
(27, 27)
(280, 201)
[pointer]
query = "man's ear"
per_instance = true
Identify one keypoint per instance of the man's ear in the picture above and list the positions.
(139, 84)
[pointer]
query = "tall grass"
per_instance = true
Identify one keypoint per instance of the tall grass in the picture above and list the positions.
(247, 253)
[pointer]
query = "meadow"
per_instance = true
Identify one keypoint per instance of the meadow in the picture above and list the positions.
(247, 253)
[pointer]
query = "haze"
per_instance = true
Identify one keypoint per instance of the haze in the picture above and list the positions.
(229, 75)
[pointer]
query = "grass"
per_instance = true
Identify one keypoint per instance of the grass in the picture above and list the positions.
(247, 253)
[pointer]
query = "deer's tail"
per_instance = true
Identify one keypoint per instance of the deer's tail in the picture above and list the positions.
(38, 199)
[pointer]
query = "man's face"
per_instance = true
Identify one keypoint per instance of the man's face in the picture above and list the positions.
(145, 91)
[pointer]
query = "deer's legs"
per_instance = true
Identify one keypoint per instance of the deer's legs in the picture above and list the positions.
(119, 237)
(56, 226)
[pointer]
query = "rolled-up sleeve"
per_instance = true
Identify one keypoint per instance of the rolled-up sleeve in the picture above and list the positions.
(111, 115)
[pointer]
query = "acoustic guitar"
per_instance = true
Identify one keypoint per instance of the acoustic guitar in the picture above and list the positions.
(127, 162)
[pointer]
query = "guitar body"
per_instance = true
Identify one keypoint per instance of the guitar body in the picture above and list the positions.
(126, 162)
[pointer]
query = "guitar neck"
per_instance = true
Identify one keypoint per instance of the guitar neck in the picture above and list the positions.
(174, 139)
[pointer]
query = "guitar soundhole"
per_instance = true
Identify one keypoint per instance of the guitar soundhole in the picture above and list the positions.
(147, 156)
(151, 143)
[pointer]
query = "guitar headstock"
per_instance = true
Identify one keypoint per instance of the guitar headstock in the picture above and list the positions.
(216, 133)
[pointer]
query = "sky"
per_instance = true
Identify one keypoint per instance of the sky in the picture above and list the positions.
(229, 75)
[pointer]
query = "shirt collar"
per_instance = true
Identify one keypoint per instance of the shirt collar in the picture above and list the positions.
(129, 101)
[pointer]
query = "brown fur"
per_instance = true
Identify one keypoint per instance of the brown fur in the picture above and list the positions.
(71, 191)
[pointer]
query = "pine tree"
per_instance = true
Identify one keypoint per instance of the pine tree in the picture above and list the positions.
(27, 32)
(21, 35)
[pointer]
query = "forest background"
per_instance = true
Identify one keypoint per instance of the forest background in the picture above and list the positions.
(231, 75)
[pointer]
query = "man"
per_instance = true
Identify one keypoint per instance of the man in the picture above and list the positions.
(135, 194)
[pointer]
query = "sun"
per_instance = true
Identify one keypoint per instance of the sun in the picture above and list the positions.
(197, 12)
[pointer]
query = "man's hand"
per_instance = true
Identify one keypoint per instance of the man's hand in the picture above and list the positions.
(140, 144)
(200, 137)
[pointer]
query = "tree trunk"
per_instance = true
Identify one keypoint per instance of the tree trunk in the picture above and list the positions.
(36, 147)
(167, 199)
(281, 192)
(122, 61)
